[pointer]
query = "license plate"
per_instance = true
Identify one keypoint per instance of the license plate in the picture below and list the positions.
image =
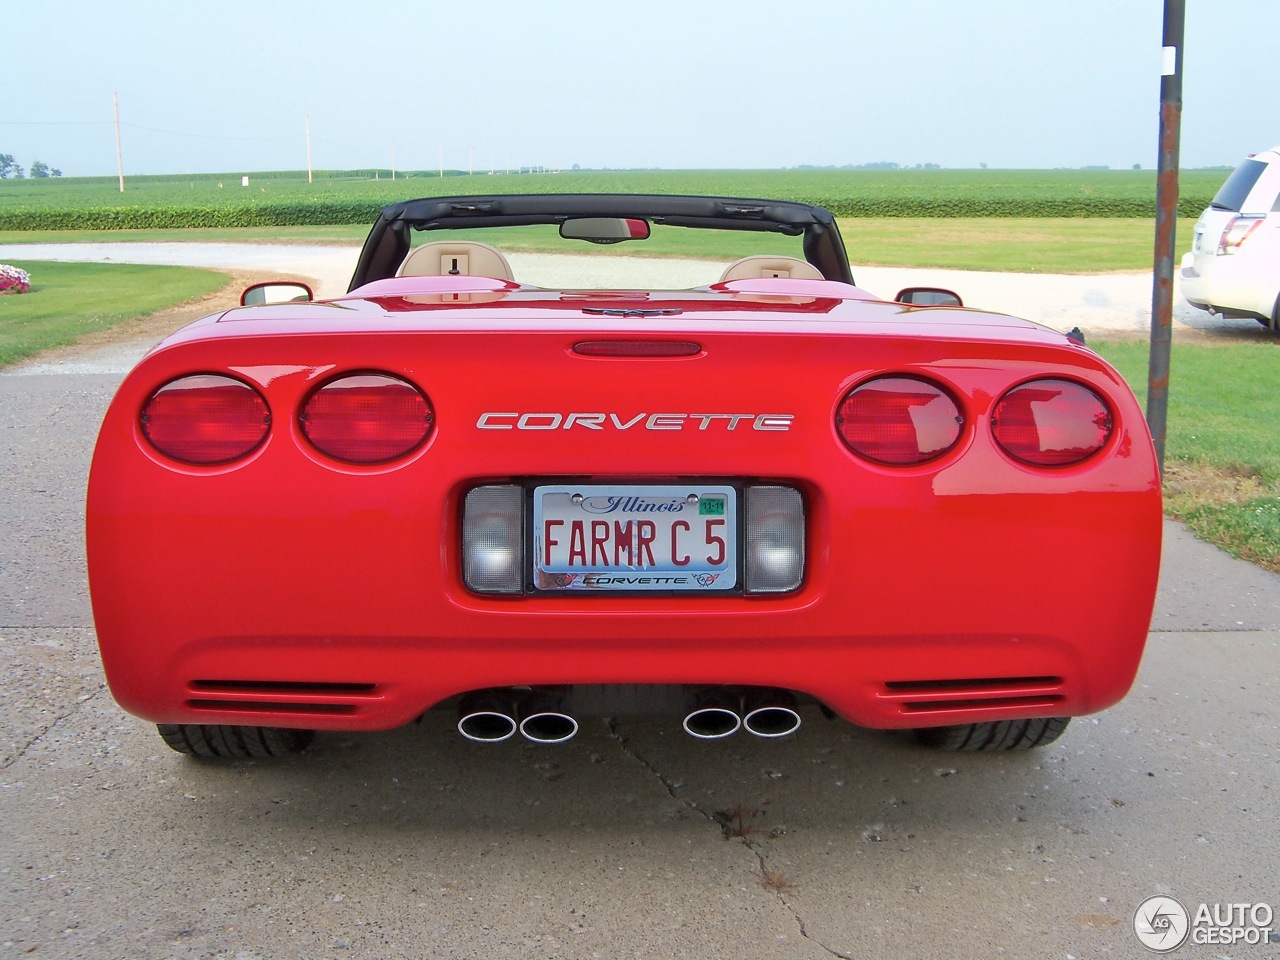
(635, 538)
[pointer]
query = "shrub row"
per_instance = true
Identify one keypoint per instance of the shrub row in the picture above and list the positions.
(347, 211)
(321, 213)
(1020, 207)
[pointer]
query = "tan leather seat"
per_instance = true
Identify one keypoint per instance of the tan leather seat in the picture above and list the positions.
(465, 258)
(753, 268)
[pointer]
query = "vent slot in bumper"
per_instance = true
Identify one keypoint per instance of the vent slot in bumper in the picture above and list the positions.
(986, 693)
(295, 697)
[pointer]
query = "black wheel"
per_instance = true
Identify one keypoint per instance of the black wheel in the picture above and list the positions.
(228, 742)
(995, 735)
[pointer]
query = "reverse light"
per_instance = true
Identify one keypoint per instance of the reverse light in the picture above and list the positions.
(366, 418)
(899, 420)
(774, 561)
(493, 539)
(1238, 230)
(205, 419)
(1051, 423)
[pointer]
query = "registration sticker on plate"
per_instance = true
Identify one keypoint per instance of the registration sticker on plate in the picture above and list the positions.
(625, 537)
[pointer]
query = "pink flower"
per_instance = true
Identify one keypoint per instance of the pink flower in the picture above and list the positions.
(13, 280)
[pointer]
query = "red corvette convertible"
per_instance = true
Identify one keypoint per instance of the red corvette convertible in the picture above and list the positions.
(450, 489)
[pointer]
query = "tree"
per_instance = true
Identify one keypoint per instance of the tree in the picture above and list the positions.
(39, 169)
(8, 168)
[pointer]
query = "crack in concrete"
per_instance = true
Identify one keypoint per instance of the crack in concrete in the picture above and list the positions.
(757, 852)
(795, 913)
(76, 707)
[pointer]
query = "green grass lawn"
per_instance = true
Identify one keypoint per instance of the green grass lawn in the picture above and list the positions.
(1222, 456)
(1066, 245)
(67, 301)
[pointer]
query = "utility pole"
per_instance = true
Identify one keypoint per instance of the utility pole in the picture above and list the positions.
(308, 148)
(393, 158)
(442, 161)
(1166, 225)
(115, 101)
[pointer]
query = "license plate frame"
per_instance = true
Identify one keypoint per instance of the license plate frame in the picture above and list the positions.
(695, 522)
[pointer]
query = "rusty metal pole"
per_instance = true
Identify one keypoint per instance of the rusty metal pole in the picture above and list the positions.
(1166, 225)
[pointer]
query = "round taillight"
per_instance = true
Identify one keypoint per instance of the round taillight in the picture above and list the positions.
(366, 418)
(1051, 423)
(205, 419)
(899, 420)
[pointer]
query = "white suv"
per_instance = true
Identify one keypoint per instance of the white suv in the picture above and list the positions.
(1234, 264)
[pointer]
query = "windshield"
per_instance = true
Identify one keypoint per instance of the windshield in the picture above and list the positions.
(718, 230)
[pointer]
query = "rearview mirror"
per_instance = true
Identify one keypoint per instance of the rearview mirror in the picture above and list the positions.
(275, 291)
(605, 229)
(928, 297)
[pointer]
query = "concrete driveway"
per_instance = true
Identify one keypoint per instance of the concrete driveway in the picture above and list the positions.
(630, 841)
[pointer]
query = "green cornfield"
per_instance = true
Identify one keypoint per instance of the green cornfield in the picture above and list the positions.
(355, 196)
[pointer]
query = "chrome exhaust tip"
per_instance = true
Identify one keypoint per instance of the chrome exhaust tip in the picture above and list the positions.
(548, 726)
(771, 714)
(712, 716)
(486, 717)
(544, 720)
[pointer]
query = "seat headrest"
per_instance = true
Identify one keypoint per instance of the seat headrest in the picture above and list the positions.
(466, 258)
(753, 268)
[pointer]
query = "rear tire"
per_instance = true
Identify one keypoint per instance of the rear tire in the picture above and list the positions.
(229, 742)
(994, 735)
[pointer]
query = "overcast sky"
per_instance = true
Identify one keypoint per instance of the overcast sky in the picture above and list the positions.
(661, 83)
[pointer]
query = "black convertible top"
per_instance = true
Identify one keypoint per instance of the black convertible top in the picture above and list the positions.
(389, 241)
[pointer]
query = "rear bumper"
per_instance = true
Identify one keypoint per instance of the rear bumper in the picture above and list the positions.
(927, 612)
(377, 683)
(1230, 286)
